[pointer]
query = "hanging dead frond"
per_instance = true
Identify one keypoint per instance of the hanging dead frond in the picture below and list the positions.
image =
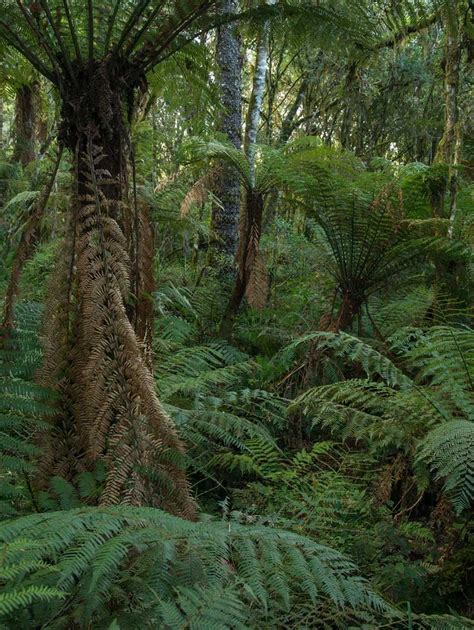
(198, 193)
(111, 411)
(257, 287)
(145, 284)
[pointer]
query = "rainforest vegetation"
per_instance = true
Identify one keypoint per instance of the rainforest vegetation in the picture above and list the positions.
(236, 345)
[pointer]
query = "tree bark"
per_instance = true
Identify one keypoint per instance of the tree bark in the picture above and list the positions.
(256, 97)
(225, 217)
(252, 213)
(1, 124)
(449, 147)
(25, 124)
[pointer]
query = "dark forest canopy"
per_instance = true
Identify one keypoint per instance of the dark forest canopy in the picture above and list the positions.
(236, 349)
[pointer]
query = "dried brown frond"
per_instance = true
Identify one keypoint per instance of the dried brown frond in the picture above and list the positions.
(145, 283)
(199, 192)
(257, 286)
(112, 412)
(169, 179)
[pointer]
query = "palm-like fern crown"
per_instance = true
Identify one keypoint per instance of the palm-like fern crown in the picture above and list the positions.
(368, 240)
(58, 37)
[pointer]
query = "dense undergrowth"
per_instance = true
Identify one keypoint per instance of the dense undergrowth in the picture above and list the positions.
(212, 425)
(333, 470)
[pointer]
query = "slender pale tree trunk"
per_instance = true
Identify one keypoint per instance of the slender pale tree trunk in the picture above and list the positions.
(25, 124)
(225, 217)
(256, 97)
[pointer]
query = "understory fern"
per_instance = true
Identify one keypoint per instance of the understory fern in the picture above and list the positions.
(24, 407)
(450, 451)
(420, 398)
(208, 387)
(143, 566)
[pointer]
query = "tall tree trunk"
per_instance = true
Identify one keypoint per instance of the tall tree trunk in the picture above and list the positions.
(25, 124)
(248, 259)
(1, 124)
(94, 346)
(256, 97)
(252, 213)
(449, 147)
(225, 217)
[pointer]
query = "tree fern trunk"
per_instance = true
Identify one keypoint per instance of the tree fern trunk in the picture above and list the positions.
(94, 342)
(247, 256)
(225, 217)
(350, 307)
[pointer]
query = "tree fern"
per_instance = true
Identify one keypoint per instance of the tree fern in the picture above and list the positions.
(401, 410)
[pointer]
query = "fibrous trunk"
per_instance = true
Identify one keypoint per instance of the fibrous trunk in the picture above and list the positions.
(350, 307)
(251, 277)
(95, 338)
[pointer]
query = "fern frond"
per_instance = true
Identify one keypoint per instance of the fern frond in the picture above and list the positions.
(106, 552)
(449, 449)
(355, 350)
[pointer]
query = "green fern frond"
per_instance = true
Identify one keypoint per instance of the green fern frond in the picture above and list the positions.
(106, 551)
(22, 598)
(449, 449)
(354, 350)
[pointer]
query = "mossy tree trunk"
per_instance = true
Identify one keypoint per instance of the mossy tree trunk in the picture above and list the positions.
(24, 150)
(252, 211)
(449, 148)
